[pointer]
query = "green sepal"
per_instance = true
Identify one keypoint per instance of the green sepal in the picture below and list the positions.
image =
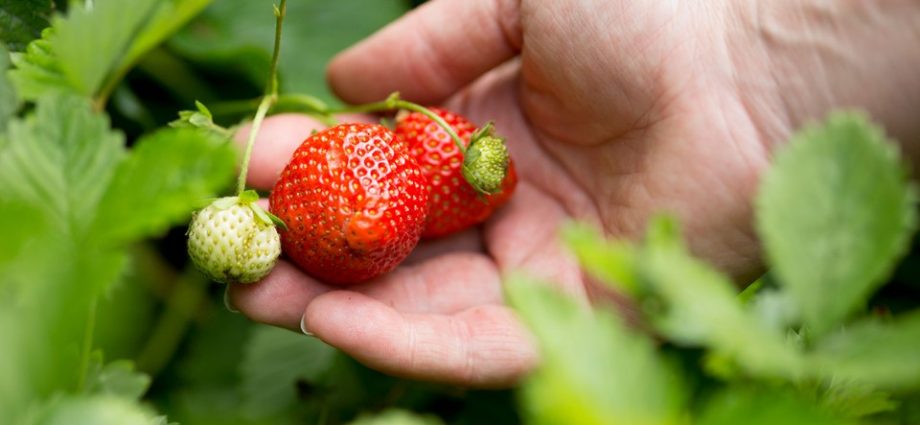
(203, 109)
(248, 197)
(224, 203)
(277, 220)
(200, 118)
(260, 213)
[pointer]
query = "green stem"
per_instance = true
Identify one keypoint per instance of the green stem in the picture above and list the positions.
(87, 344)
(272, 88)
(271, 94)
(394, 102)
(256, 123)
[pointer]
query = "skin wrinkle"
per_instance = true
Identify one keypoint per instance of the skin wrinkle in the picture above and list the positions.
(464, 333)
(782, 112)
(411, 350)
(586, 206)
(509, 22)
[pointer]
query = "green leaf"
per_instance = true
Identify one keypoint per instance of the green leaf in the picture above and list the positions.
(118, 379)
(397, 417)
(855, 401)
(90, 49)
(835, 213)
(37, 71)
(61, 158)
(9, 102)
(701, 307)
(239, 35)
(273, 362)
(98, 410)
(168, 17)
(594, 370)
(18, 222)
(611, 262)
(91, 40)
(55, 163)
(884, 354)
(22, 21)
(167, 175)
(739, 405)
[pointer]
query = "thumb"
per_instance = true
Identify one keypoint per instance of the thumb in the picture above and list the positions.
(430, 53)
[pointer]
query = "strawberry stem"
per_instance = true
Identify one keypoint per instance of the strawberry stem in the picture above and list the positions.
(87, 345)
(394, 102)
(271, 95)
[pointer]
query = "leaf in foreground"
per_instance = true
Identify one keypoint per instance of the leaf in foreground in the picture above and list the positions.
(594, 370)
(881, 353)
(739, 405)
(701, 307)
(835, 214)
(97, 410)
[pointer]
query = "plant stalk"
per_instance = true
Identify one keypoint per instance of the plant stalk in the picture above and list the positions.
(271, 95)
(86, 352)
(394, 102)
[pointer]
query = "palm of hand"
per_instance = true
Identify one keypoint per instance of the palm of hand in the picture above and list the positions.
(675, 139)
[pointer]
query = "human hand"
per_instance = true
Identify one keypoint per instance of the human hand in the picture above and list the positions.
(613, 110)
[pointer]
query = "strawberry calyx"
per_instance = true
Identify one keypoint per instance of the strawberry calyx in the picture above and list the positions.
(248, 199)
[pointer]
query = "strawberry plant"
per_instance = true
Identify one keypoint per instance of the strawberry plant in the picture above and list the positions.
(116, 216)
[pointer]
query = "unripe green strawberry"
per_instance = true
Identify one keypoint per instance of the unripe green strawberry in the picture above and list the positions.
(485, 164)
(233, 241)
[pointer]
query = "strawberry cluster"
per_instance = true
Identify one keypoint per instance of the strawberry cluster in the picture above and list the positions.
(355, 199)
(358, 197)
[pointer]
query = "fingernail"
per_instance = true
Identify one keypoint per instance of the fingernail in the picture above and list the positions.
(303, 326)
(227, 302)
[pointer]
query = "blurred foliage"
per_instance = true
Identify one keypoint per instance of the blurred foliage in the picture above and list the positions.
(239, 35)
(102, 322)
(23, 20)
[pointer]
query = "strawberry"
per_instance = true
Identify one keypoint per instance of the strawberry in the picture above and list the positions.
(233, 240)
(354, 201)
(454, 204)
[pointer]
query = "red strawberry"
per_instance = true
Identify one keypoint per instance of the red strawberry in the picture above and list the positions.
(354, 201)
(453, 204)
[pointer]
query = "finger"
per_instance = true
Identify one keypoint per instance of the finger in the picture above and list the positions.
(466, 241)
(483, 346)
(430, 53)
(278, 138)
(279, 299)
(443, 285)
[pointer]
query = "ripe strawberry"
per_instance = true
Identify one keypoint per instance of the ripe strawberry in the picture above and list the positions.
(454, 204)
(354, 201)
(233, 241)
